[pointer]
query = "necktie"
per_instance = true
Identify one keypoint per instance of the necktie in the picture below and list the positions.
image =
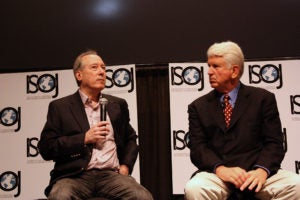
(227, 110)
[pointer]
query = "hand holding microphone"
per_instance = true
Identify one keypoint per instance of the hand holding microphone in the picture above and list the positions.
(99, 131)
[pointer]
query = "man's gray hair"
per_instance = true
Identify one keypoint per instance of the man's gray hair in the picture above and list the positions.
(78, 62)
(230, 51)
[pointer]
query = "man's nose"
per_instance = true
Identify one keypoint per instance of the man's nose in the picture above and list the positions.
(209, 71)
(100, 70)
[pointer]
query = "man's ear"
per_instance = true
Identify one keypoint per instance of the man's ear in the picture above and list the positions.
(78, 75)
(235, 71)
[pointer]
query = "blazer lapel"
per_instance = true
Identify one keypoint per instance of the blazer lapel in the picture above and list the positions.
(216, 109)
(77, 110)
(241, 105)
(113, 110)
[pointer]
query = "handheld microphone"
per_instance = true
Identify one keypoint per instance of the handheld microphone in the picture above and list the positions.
(103, 102)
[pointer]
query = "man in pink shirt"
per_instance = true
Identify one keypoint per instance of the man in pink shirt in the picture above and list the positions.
(93, 157)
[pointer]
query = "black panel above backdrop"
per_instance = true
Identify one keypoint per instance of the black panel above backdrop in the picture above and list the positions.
(48, 34)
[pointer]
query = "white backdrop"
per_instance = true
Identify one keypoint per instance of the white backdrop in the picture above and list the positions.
(189, 81)
(23, 109)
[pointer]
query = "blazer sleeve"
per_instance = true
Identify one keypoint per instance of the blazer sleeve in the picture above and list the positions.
(201, 153)
(62, 138)
(272, 152)
(125, 135)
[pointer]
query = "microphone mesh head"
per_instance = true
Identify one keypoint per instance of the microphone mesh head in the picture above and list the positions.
(103, 101)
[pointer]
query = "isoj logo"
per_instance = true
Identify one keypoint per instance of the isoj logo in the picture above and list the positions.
(121, 78)
(295, 104)
(45, 84)
(190, 75)
(10, 182)
(32, 149)
(269, 73)
(180, 139)
(10, 119)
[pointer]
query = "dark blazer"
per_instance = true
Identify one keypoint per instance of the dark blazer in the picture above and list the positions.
(62, 138)
(253, 138)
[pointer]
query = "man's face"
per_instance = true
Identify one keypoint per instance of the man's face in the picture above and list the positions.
(220, 75)
(92, 73)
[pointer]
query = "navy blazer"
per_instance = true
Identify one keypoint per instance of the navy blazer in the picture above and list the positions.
(254, 137)
(62, 138)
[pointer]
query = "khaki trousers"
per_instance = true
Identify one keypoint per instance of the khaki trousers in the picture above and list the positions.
(283, 185)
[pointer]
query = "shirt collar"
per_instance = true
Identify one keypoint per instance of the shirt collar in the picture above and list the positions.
(232, 94)
(87, 101)
(84, 97)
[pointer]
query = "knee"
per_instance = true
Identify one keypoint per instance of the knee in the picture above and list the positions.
(292, 189)
(204, 189)
(135, 191)
(192, 188)
(59, 192)
(143, 195)
(53, 195)
(296, 185)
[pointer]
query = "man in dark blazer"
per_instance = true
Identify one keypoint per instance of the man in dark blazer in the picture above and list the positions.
(93, 158)
(244, 156)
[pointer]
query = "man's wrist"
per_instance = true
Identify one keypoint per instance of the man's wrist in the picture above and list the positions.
(263, 168)
(219, 168)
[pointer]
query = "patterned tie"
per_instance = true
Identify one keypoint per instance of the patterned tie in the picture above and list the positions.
(227, 110)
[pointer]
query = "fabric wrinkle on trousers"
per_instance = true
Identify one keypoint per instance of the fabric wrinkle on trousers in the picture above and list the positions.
(99, 183)
(284, 185)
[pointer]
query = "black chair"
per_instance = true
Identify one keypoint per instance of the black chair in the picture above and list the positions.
(246, 195)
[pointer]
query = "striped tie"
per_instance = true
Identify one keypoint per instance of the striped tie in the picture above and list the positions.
(227, 110)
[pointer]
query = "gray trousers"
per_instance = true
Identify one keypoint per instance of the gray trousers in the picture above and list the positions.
(99, 183)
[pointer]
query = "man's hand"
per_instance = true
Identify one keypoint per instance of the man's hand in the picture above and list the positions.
(124, 170)
(97, 132)
(256, 178)
(235, 175)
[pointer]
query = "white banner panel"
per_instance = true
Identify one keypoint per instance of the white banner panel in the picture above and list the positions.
(189, 81)
(23, 109)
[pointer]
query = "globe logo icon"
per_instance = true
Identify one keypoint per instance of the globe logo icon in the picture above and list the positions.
(8, 181)
(191, 75)
(121, 77)
(9, 116)
(46, 83)
(269, 73)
